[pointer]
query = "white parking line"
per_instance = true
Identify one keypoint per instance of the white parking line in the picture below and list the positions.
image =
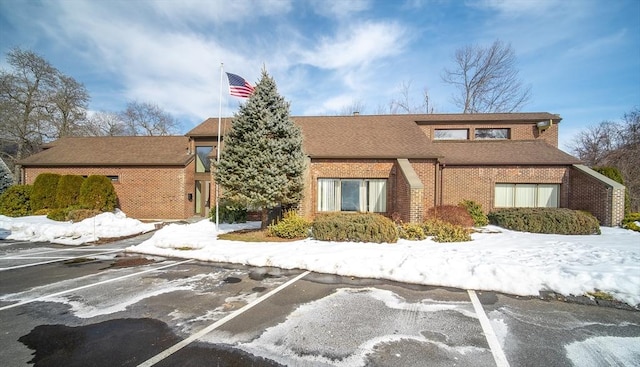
(176, 347)
(92, 285)
(494, 344)
(53, 261)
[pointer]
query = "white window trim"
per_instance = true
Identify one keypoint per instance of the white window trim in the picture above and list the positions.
(526, 195)
(372, 195)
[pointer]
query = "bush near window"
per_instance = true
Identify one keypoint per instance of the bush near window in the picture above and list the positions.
(475, 211)
(68, 191)
(451, 214)
(229, 212)
(97, 192)
(442, 231)
(546, 220)
(629, 221)
(291, 226)
(78, 215)
(15, 201)
(43, 194)
(356, 227)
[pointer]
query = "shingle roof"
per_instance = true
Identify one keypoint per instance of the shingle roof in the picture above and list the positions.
(504, 152)
(209, 127)
(113, 151)
(395, 136)
(513, 117)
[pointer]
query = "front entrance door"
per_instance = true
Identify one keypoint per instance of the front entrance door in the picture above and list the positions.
(203, 198)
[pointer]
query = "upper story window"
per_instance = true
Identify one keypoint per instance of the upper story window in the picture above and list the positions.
(451, 134)
(503, 133)
(203, 163)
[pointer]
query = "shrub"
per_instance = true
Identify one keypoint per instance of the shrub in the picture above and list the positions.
(59, 214)
(446, 232)
(357, 227)
(77, 215)
(451, 214)
(229, 212)
(291, 226)
(16, 201)
(68, 191)
(411, 231)
(546, 220)
(629, 221)
(97, 192)
(475, 211)
(43, 194)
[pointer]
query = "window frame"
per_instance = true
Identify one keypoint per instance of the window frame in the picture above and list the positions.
(453, 137)
(506, 136)
(371, 195)
(526, 195)
(199, 162)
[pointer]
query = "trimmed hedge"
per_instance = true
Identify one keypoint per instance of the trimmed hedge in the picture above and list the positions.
(442, 231)
(15, 201)
(97, 192)
(475, 211)
(356, 227)
(43, 194)
(291, 226)
(68, 192)
(546, 220)
(451, 214)
(411, 231)
(629, 221)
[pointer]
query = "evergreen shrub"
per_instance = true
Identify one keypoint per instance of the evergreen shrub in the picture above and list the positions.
(451, 214)
(43, 194)
(629, 221)
(290, 226)
(16, 201)
(475, 211)
(58, 214)
(68, 191)
(442, 231)
(97, 192)
(354, 227)
(546, 220)
(229, 212)
(411, 231)
(78, 215)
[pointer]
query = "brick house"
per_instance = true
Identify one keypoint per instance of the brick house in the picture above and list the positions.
(397, 165)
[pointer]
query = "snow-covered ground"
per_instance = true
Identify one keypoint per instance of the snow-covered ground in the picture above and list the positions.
(507, 261)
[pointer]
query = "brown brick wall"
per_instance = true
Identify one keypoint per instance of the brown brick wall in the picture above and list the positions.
(478, 183)
(601, 200)
(518, 131)
(143, 192)
(426, 170)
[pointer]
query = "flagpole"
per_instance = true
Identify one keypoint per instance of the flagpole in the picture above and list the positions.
(218, 151)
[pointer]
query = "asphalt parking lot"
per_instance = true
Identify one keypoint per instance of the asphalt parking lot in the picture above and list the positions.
(94, 305)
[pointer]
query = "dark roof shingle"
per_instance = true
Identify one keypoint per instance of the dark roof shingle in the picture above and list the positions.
(113, 151)
(503, 152)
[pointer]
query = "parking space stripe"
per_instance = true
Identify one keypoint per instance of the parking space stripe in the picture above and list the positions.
(176, 347)
(92, 285)
(492, 339)
(57, 260)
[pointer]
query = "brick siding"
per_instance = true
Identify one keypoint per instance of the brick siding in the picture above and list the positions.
(590, 194)
(143, 192)
(518, 131)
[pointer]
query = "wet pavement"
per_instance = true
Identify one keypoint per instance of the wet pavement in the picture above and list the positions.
(100, 308)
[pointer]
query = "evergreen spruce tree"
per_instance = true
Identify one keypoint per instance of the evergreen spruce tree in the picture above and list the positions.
(6, 178)
(262, 162)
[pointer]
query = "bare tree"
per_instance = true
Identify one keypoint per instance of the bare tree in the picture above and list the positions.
(68, 108)
(615, 144)
(143, 118)
(25, 93)
(487, 79)
(105, 124)
(405, 104)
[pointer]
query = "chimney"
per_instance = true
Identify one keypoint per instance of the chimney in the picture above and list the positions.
(356, 113)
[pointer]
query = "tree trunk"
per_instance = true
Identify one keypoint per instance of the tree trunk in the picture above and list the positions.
(264, 217)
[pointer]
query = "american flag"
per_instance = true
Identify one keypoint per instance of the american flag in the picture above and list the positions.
(238, 86)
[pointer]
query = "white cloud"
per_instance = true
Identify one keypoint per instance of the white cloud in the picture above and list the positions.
(340, 8)
(358, 45)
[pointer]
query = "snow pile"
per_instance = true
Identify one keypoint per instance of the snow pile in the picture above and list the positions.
(39, 228)
(510, 262)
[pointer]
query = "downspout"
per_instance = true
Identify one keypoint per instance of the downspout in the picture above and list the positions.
(442, 183)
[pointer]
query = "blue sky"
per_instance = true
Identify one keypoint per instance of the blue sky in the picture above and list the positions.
(581, 57)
